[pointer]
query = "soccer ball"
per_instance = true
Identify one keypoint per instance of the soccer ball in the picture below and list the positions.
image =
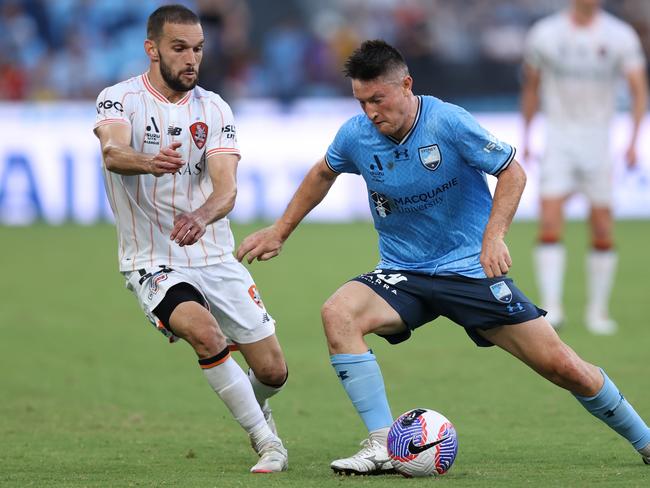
(422, 442)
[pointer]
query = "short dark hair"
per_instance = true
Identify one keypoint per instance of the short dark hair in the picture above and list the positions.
(373, 59)
(169, 14)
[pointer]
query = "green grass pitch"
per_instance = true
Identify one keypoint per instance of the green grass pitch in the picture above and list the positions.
(92, 396)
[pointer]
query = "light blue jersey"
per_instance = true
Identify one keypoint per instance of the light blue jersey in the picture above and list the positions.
(428, 193)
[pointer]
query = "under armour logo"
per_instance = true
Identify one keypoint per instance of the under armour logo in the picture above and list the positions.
(343, 375)
(516, 307)
(611, 412)
(401, 154)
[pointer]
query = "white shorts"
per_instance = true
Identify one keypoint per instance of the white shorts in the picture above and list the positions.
(577, 161)
(228, 289)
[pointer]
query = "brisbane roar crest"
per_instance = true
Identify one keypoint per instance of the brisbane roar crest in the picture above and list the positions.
(199, 131)
(255, 296)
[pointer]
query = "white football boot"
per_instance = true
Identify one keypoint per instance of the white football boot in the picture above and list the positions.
(372, 459)
(599, 323)
(273, 457)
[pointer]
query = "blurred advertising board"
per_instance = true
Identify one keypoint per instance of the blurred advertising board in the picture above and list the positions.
(50, 163)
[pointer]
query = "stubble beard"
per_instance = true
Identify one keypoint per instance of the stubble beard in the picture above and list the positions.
(175, 82)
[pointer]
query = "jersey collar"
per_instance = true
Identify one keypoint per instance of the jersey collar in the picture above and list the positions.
(412, 129)
(159, 96)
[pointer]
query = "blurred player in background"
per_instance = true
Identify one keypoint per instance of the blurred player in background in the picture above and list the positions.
(442, 249)
(170, 155)
(573, 61)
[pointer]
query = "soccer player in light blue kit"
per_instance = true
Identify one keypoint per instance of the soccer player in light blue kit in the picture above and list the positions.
(441, 242)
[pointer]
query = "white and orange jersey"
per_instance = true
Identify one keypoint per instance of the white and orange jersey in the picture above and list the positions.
(145, 206)
(581, 66)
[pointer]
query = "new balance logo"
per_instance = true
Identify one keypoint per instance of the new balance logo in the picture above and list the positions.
(174, 131)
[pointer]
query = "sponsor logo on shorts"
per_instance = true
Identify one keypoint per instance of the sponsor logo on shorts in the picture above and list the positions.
(514, 308)
(501, 292)
(153, 283)
(385, 281)
(255, 296)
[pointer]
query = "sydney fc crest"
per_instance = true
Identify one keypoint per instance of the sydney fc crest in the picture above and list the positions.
(501, 292)
(430, 156)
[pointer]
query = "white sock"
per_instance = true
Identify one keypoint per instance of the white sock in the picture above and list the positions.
(601, 269)
(380, 435)
(233, 387)
(262, 391)
(550, 261)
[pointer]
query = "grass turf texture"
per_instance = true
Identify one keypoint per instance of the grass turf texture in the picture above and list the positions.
(91, 395)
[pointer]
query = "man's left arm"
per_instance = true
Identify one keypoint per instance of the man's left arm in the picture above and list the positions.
(638, 83)
(189, 227)
(495, 257)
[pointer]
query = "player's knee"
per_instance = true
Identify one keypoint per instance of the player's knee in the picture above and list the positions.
(602, 242)
(570, 372)
(207, 339)
(549, 235)
(274, 374)
(333, 315)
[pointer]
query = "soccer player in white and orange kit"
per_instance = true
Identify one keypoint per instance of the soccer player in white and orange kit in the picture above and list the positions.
(573, 61)
(170, 157)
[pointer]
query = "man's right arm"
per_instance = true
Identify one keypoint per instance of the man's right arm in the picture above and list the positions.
(119, 157)
(267, 243)
(529, 103)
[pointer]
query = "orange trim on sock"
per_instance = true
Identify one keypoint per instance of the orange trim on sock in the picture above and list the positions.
(216, 363)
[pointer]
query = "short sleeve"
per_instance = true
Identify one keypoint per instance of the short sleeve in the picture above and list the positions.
(477, 146)
(338, 157)
(533, 48)
(632, 57)
(111, 108)
(221, 135)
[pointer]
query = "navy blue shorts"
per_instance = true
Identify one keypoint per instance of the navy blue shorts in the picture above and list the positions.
(473, 303)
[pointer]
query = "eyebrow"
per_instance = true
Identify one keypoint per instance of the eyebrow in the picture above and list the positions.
(374, 95)
(178, 40)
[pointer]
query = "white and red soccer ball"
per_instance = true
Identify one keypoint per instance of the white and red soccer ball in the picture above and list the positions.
(422, 442)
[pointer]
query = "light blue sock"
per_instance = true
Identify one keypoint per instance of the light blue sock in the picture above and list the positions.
(610, 406)
(361, 377)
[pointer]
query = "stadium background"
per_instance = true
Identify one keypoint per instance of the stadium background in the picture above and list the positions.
(91, 397)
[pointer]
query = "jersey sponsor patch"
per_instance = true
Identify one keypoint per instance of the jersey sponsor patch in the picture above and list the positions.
(199, 131)
(382, 204)
(255, 296)
(501, 292)
(430, 156)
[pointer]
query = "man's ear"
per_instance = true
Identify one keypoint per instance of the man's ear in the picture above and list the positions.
(151, 49)
(407, 84)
